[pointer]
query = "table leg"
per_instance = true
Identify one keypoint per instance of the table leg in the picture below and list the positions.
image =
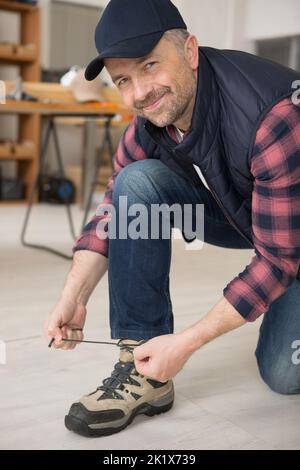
(88, 159)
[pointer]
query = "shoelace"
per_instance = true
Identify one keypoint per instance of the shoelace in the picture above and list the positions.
(120, 376)
(93, 342)
(85, 341)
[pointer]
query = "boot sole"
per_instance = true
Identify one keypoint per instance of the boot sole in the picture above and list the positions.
(81, 427)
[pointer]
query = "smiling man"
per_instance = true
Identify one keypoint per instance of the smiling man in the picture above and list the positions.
(160, 87)
(213, 127)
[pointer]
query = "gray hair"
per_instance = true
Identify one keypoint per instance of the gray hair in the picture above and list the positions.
(178, 37)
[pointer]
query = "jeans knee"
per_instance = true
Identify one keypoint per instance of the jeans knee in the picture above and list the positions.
(137, 181)
(281, 376)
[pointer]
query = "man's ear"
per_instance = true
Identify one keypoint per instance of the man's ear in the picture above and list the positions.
(191, 51)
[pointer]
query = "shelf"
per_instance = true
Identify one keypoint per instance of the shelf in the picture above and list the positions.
(15, 59)
(17, 151)
(24, 53)
(19, 7)
(17, 54)
(12, 157)
(12, 202)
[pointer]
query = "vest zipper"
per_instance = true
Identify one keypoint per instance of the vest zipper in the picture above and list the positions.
(229, 218)
(227, 215)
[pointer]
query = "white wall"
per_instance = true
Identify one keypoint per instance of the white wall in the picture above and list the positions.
(216, 23)
(202, 19)
(272, 18)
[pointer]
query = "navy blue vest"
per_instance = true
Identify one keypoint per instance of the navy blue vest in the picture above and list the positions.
(235, 91)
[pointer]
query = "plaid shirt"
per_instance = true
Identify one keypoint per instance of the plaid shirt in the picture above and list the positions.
(275, 166)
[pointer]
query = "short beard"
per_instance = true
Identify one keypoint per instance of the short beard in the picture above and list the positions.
(181, 94)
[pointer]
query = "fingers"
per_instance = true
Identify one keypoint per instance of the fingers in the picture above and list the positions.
(141, 359)
(144, 367)
(71, 334)
(142, 352)
(56, 334)
(75, 335)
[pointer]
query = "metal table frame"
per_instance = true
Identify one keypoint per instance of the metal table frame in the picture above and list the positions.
(49, 111)
(52, 130)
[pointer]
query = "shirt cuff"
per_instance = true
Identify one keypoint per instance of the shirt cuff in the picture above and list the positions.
(91, 243)
(249, 305)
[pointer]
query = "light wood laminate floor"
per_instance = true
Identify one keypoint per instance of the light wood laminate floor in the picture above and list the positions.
(221, 402)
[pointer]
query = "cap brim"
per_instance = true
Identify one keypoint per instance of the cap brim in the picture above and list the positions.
(129, 49)
(93, 69)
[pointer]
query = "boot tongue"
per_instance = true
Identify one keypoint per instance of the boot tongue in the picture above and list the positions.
(126, 354)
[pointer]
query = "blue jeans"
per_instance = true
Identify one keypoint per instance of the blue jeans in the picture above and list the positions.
(138, 273)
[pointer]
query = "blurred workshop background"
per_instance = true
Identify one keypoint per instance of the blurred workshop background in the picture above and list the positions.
(41, 41)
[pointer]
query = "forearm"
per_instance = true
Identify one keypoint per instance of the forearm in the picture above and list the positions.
(87, 269)
(219, 320)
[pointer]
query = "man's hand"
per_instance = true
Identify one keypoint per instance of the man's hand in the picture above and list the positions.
(162, 357)
(70, 312)
(66, 317)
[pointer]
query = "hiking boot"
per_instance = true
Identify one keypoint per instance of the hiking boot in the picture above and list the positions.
(122, 396)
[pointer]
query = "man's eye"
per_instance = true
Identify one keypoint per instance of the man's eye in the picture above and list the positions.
(150, 64)
(122, 82)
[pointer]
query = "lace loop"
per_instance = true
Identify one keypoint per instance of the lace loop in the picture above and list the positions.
(120, 375)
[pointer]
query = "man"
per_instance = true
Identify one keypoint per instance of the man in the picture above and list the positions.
(212, 127)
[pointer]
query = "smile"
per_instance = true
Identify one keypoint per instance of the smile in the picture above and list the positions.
(154, 105)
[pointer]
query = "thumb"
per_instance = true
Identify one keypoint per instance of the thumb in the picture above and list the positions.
(142, 366)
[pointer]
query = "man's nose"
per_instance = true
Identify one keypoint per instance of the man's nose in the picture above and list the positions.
(140, 90)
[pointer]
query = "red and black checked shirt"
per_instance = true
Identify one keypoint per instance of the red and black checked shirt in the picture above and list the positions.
(275, 166)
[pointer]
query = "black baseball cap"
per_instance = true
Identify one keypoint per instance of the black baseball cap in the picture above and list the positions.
(132, 28)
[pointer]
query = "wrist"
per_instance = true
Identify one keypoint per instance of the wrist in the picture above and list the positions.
(75, 292)
(87, 270)
(192, 338)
